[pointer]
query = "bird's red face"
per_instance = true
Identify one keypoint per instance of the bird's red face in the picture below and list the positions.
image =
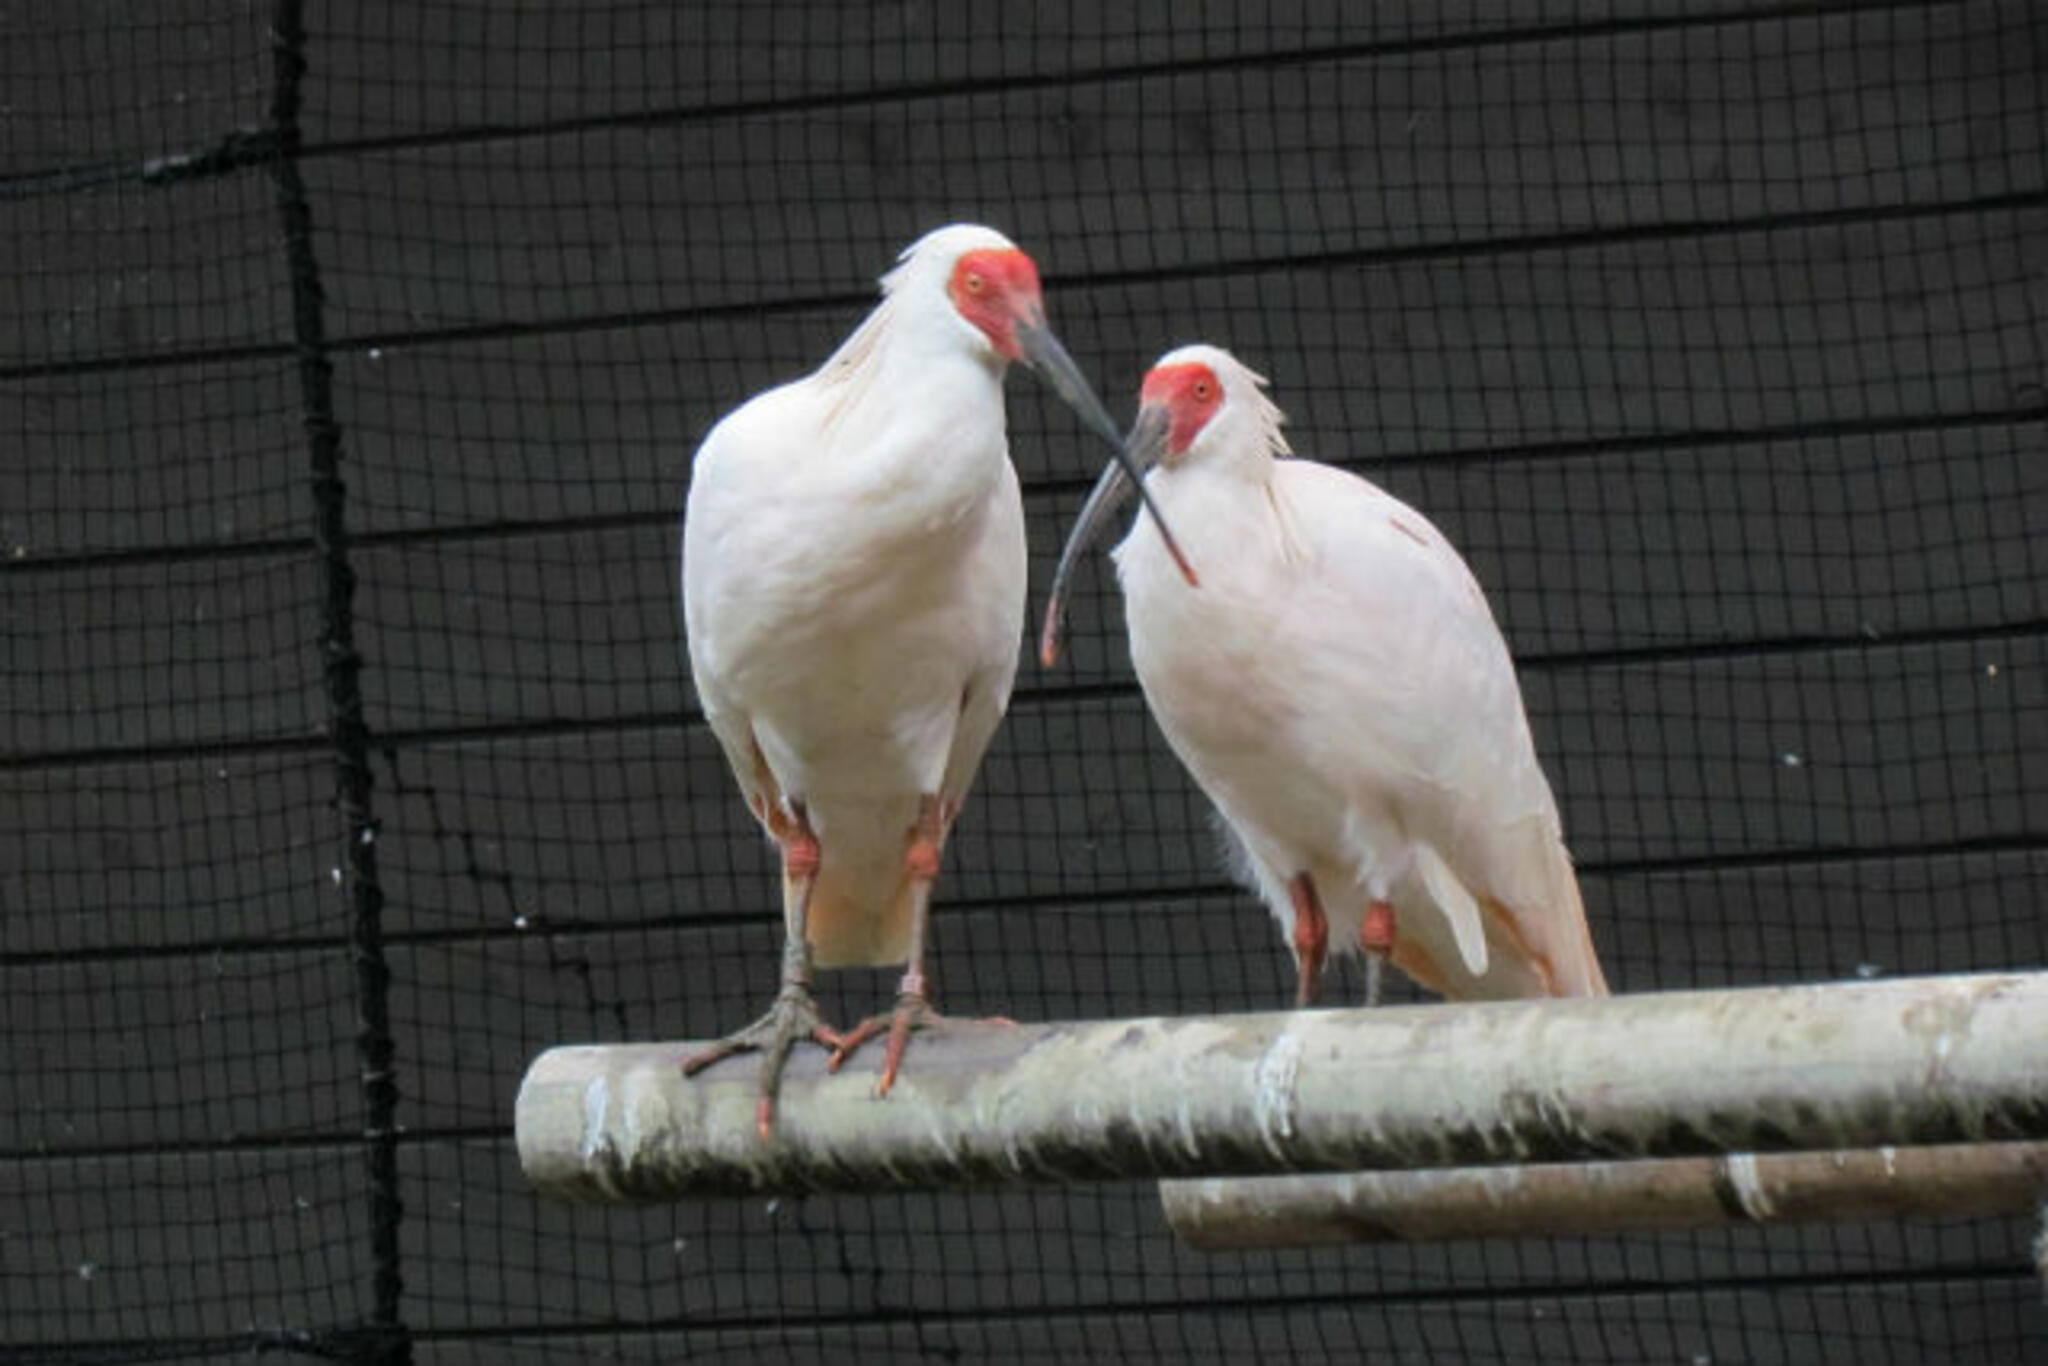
(996, 289)
(1190, 395)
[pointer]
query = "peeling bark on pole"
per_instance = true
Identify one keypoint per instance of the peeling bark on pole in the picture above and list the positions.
(1852, 1065)
(1235, 1213)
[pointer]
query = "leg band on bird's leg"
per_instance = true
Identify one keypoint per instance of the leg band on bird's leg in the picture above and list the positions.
(913, 1010)
(921, 855)
(801, 859)
(1311, 939)
(913, 1006)
(794, 1015)
(1376, 931)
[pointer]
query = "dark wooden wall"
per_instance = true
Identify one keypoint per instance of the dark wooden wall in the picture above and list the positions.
(1714, 333)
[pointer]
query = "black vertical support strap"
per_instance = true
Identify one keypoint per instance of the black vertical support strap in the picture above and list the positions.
(386, 1340)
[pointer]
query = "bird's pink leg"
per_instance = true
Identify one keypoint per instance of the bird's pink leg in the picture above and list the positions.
(913, 1006)
(1311, 939)
(794, 1014)
(1376, 937)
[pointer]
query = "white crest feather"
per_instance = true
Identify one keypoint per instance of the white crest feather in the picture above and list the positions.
(1265, 411)
(1244, 392)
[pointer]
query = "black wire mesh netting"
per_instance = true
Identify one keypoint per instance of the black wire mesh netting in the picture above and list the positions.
(350, 379)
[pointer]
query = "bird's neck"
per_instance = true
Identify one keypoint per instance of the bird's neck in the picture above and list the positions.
(1239, 465)
(1226, 505)
(902, 376)
(914, 428)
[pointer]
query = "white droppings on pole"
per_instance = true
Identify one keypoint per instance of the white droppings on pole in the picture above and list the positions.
(1749, 1187)
(1273, 1091)
(942, 1139)
(596, 1100)
(1184, 1122)
(992, 1106)
(1501, 1185)
(647, 1113)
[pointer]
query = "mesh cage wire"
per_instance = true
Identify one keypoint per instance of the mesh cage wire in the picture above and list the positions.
(1712, 335)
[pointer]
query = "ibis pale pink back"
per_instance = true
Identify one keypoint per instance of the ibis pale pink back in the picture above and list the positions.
(1339, 689)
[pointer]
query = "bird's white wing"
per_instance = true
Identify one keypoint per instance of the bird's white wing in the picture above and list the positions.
(995, 575)
(1415, 671)
(854, 609)
(727, 596)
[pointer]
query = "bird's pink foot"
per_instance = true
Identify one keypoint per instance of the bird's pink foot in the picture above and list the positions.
(793, 1019)
(912, 1013)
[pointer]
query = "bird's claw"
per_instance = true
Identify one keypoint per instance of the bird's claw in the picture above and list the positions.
(912, 1013)
(792, 1019)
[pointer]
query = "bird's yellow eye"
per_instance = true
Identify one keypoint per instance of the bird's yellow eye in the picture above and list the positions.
(973, 284)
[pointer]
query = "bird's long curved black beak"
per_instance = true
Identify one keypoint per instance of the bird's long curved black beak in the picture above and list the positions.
(1042, 351)
(1136, 454)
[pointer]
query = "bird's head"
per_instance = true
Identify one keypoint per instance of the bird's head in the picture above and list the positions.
(1198, 404)
(987, 282)
(990, 285)
(1202, 403)
(995, 290)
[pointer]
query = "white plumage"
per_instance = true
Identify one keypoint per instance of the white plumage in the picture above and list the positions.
(853, 590)
(1339, 689)
(853, 587)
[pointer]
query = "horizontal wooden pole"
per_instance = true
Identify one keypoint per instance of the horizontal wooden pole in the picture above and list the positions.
(1236, 1213)
(1904, 1061)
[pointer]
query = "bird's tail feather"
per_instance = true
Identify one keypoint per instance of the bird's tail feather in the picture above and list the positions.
(1574, 963)
(1557, 954)
(849, 932)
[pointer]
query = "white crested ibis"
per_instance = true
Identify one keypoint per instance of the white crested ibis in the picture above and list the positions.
(853, 592)
(1339, 690)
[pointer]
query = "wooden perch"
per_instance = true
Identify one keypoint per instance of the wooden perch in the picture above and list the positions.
(1906, 1061)
(1235, 1213)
